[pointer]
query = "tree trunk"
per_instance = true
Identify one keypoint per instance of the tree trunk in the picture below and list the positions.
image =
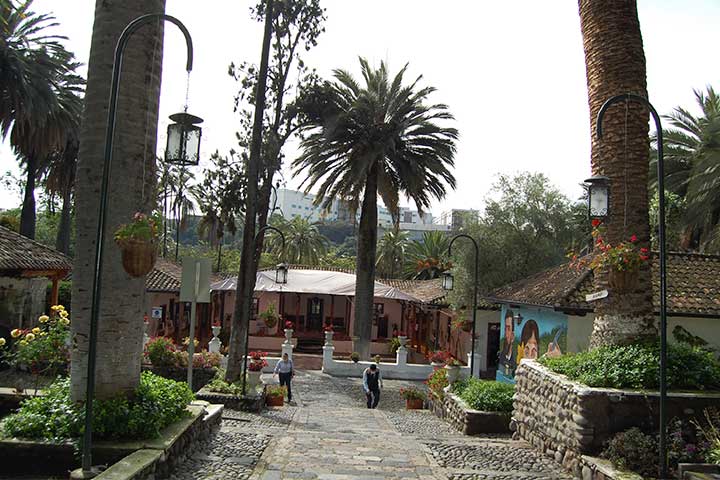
(246, 276)
(615, 64)
(62, 241)
(131, 189)
(27, 214)
(365, 271)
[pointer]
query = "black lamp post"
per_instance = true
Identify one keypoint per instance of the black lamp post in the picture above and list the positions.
(133, 26)
(281, 272)
(661, 245)
(448, 284)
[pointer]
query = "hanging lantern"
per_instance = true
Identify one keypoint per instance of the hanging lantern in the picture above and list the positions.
(598, 188)
(281, 273)
(183, 139)
(448, 281)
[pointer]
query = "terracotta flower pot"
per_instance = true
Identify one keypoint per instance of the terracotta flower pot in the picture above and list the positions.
(623, 280)
(138, 256)
(274, 401)
(414, 403)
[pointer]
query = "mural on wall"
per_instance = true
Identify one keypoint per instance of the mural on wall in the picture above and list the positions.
(529, 333)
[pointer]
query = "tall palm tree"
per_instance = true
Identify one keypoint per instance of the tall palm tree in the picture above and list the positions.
(382, 138)
(304, 244)
(62, 168)
(391, 251)
(428, 258)
(615, 64)
(692, 159)
(39, 95)
(131, 189)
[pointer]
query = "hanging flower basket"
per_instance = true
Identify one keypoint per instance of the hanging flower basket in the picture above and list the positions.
(624, 280)
(138, 256)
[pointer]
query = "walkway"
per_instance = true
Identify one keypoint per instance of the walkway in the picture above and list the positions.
(331, 435)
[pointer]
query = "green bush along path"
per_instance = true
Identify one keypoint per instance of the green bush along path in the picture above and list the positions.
(330, 434)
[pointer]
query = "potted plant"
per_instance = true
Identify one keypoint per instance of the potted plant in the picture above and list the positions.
(355, 357)
(288, 331)
(270, 317)
(254, 369)
(402, 338)
(275, 395)
(622, 261)
(138, 244)
(438, 358)
(414, 398)
(453, 369)
(377, 359)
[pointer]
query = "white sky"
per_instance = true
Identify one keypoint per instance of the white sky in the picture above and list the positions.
(512, 72)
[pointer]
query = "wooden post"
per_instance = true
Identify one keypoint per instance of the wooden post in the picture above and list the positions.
(55, 293)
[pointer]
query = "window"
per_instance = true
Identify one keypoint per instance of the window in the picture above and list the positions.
(379, 308)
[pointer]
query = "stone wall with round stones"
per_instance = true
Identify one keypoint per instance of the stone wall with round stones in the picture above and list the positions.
(565, 419)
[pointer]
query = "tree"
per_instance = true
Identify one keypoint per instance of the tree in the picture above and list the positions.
(615, 64)
(39, 95)
(692, 159)
(131, 189)
(391, 251)
(528, 225)
(304, 244)
(270, 117)
(428, 258)
(61, 180)
(380, 138)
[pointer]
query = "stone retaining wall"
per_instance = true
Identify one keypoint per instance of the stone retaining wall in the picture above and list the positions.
(457, 413)
(566, 420)
(248, 403)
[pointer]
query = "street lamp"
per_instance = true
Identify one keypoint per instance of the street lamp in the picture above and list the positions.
(183, 139)
(281, 271)
(598, 188)
(661, 245)
(448, 282)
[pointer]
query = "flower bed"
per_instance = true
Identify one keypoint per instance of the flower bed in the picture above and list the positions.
(469, 421)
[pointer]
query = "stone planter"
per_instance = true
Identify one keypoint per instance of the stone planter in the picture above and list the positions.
(413, 403)
(403, 341)
(437, 364)
(288, 335)
(274, 401)
(624, 281)
(453, 373)
(460, 416)
(329, 337)
(253, 380)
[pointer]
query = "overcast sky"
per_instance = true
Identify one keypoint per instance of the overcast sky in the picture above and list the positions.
(512, 72)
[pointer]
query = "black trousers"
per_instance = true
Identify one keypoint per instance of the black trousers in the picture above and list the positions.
(373, 398)
(285, 379)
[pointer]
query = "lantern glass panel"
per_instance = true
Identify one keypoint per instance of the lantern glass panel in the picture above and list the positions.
(281, 272)
(599, 200)
(447, 281)
(192, 144)
(173, 150)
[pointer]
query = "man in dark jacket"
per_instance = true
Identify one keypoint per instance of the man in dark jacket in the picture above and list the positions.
(372, 383)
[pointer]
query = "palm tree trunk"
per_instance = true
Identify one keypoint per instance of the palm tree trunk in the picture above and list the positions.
(615, 63)
(246, 276)
(219, 255)
(365, 274)
(119, 346)
(27, 214)
(62, 241)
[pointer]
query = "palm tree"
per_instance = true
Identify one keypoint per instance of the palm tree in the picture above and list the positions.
(131, 189)
(427, 259)
(381, 138)
(40, 99)
(615, 64)
(62, 167)
(692, 159)
(304, 244)
(391, 251)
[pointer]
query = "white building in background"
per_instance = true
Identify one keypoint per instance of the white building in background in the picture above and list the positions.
(294, 203)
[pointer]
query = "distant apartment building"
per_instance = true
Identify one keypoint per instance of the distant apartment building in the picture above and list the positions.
(457, 217)
(294, 203)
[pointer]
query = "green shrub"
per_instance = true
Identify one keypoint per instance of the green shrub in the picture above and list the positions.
(634, 450)
(437, 381)
(156, 403)
(485, 395)
(219, 385)
(393, 344)
(161, 352)
(638, 366)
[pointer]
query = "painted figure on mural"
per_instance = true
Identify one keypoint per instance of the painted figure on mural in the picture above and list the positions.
(507, 355)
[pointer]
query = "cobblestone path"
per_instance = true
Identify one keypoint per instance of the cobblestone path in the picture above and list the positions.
(330, 435)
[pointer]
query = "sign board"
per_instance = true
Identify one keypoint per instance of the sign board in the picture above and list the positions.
(156, 312)
(195, 283)
(591, 297)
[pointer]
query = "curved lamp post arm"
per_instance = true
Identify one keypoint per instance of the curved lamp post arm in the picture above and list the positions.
(661, 245)
(475, 293)
(270, 227)
(100, 236)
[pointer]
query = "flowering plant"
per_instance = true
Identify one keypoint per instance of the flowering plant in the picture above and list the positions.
(186, 342)
(257, 361)
(270, 316)
(402, 333)
(142, 228)
(622, 257)
(289, 325)
(453, 362)
(276, 391)
(44, 348)
(328, 327)
(161, 352)
(439, 356)
(203, 359)
(412, 393)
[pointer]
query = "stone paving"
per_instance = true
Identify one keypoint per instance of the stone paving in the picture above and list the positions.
(330, 435)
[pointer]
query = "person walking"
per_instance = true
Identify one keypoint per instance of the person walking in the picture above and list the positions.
(372, 383)
(284, 368)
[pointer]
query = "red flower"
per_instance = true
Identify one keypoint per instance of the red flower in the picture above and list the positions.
(633, 238)
(599, 241)
(643, 250)
(596, 222)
